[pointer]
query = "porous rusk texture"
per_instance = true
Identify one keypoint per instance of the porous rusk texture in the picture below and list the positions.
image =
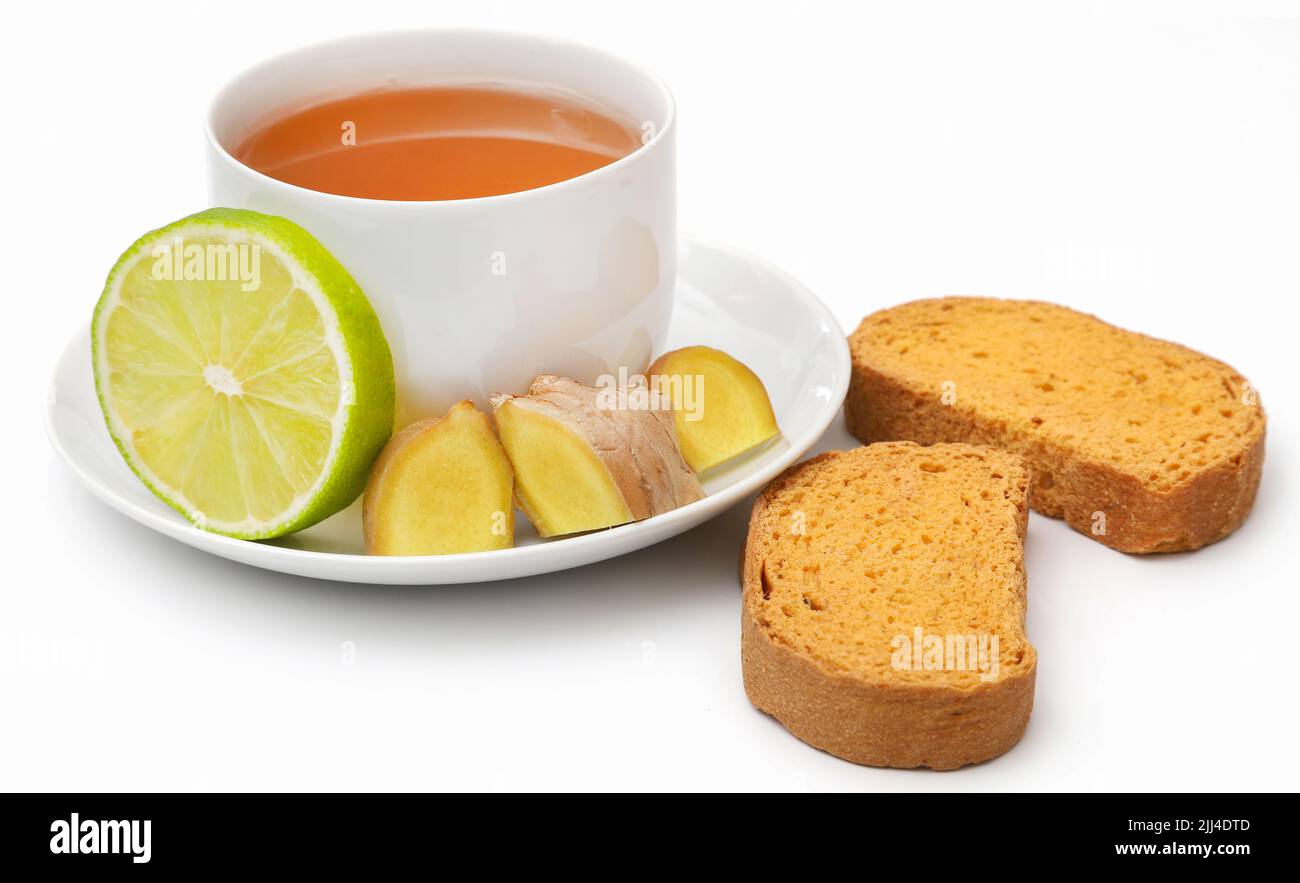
(849, 551)
(1141, 444)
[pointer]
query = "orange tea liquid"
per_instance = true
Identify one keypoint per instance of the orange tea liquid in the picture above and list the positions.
(438, 142)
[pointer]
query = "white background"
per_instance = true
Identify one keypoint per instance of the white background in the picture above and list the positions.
(1144, 168)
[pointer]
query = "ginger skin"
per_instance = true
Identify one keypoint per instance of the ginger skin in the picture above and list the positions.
(580, 466)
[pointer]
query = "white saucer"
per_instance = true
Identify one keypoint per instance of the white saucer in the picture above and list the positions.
(724, 298)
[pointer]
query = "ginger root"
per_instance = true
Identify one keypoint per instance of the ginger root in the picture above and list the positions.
(721, 407)
(439, 487)
(585, 461)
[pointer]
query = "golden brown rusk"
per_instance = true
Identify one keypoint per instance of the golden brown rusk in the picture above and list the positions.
(1141, 444)
(884, 604)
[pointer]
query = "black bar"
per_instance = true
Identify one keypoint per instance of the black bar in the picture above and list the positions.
(369, 832)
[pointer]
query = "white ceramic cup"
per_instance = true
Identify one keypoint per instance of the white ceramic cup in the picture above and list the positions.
(478, 296)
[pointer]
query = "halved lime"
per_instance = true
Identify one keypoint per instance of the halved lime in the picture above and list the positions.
(242, 373)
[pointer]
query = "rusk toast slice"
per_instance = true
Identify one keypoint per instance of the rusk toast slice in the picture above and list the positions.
(884, 604)
(1141, 444)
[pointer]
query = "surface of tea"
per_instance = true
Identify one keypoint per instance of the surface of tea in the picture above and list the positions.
(438, 142)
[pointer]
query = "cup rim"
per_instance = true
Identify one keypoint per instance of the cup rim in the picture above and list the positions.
(219, 150)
